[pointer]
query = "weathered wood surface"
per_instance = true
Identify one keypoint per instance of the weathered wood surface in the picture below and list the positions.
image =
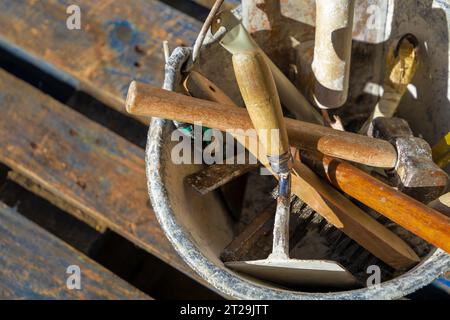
(243, 243)
(81, 162)
(217, 175)
(34, 264)
(119, 41)
(61, 203)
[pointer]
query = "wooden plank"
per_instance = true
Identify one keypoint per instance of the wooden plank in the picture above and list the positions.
(81, 162)
(216, 175)
(119, 41)
(58, 202)
(34, 264)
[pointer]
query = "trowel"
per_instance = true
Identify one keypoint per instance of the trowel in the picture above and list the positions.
(260, 95)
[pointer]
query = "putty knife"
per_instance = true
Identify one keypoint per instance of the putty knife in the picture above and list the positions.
(261, 98)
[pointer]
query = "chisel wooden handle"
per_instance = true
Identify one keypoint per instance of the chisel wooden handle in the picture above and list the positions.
(409, 213)
(146, 100)
(260, 95)
(201, 87)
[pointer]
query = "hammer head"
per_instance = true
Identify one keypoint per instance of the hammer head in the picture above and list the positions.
(415, 172)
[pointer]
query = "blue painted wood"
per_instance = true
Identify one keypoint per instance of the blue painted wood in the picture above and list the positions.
(34, 266)
(79, 161)
(64, 153)
(119, 41)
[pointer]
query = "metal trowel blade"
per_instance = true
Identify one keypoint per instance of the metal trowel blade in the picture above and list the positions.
(301, 273)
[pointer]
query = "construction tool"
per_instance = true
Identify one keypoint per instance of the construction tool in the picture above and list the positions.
(259, 93)
(336, 208)
(407, 212)
(350, 219)
(332, 52)
(255, 239)
(320, 196)
(349, 146)
(260, 226)
(236, 39)
(441, 151)
(401, 66)
(146, 100)
(415, 172)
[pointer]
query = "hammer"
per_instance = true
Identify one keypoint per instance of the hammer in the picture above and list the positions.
(409, 213)
(415, 172)
(261, 98)
(147, 100)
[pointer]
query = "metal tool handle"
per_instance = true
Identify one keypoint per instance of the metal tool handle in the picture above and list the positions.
(280, 244)
(260, 95)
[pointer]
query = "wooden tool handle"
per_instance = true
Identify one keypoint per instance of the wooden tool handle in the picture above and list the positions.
(409, 213)
(340, 211)
(201, 87)
(260, 95)
(146, 100)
